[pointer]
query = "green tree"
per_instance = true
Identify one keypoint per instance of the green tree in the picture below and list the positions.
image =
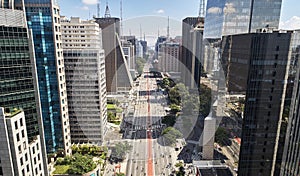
(140, 62)
(175, 108)
(205, 100)
(81, 164)
(120, 149)
(111, 116)
(222, 136)
(170, 135)
(178, 93)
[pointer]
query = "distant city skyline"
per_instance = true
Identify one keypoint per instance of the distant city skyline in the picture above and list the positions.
(141, 13)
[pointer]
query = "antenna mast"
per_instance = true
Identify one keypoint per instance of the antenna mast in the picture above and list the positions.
(168, 29)
(141, 34)
(121, 16)
(98, 9)
(202, 8)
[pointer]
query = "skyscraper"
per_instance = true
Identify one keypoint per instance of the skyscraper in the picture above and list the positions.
(262, 63)
(228, 17)
(192, 51)
(86, 81)
(169, 56)
(118, 78)
(18, 78)
(291, 154)
(43, 18)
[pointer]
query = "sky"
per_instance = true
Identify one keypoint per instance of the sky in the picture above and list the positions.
(151, 16)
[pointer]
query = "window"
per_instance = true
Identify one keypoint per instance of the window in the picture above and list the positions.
(23, 133)
(19, 148)
(18, 137)
(26, 157)
(21, 122)
(21, 161)
(33, 150)
(16, 125)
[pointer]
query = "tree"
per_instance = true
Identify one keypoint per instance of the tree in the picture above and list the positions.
(170, 135)
(205, 100)
(120, 149)
(178, 93)
(110, 116)
(222, 136)
(140, 62)
(81, 164)
(190, 104)
(175, 108)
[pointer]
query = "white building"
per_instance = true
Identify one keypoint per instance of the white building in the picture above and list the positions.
(86, 80)
(17, 156)
(209, 137)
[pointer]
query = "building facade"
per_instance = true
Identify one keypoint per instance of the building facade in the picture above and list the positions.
(291, 155)
(168, 56)
(86, 81)
(260, 64)
(118, 77)
(18, 77)
(192, 51)
(229, 17)
(43, 19)
(18, 155)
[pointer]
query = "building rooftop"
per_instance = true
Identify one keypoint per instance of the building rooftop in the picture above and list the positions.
(12, 112)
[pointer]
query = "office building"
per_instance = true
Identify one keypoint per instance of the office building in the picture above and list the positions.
(192, 51)
(260, 64)
(129, 53)
(291, 153)
(229, 17)
(18, 155)
(118, 78)
(18, 77)
(168, 56)
(43, 19)
(85, 78)
(145, 47)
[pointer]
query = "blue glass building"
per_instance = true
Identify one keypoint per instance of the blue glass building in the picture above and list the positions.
(229, 17)
(43, 19)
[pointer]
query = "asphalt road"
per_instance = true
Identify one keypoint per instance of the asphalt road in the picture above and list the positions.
(148, 156)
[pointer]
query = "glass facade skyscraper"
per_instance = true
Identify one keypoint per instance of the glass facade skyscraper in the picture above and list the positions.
(18, 79)
(229, 17)
(43, 18)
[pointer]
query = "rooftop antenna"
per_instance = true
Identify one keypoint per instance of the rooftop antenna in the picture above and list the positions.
(129, 32)
(141, 34)
(121, 16)
(168, 28)
(98, 9)
(158, 32)
(107, 12)
(201, 9)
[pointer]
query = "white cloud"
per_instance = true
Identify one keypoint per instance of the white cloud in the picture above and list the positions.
(292, 23)
(229, 8)
(160, 11)
(89, 2)
(84, 8)
(214, 10)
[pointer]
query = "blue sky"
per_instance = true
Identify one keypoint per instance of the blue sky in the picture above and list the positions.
(177, 9)
(134, 12)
